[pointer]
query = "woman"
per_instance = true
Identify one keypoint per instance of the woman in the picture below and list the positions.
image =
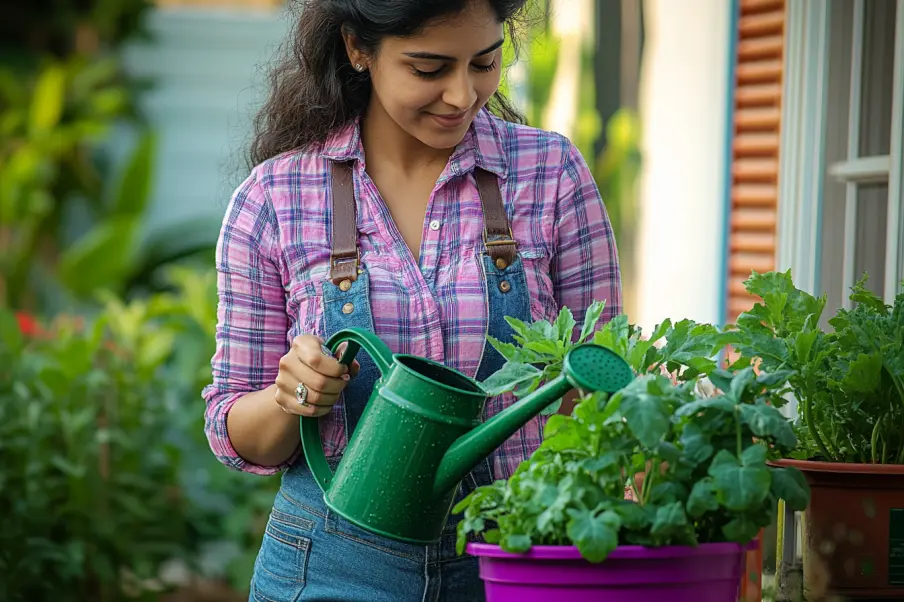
(381, 176)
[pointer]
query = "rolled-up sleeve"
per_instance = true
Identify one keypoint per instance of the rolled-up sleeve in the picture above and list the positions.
(586, 259)
(251, 315)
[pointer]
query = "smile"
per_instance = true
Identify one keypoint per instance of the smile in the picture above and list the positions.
(450, 121)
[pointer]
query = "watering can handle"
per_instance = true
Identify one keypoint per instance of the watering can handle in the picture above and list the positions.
(355, 339)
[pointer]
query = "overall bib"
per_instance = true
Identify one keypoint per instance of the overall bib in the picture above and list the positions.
(308, 553)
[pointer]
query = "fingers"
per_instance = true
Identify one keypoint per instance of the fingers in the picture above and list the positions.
(309, 350)
(323, 377)
(315, 406)
(354, 367)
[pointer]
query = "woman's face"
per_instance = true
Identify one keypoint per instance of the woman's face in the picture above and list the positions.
(433, 84)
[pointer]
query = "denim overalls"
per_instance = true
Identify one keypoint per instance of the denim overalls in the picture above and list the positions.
(309, 553)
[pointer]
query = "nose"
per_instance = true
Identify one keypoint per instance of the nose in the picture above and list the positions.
(460, 92)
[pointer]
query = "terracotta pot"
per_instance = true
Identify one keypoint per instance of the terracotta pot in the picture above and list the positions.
(855, 526)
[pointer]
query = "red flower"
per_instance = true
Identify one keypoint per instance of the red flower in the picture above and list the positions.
(27, 324)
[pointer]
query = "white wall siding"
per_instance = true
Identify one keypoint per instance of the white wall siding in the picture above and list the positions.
(207, 69)
(683, 105)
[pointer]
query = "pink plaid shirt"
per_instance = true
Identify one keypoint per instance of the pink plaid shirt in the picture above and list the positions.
(274, 249)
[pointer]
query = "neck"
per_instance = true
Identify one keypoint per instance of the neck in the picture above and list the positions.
(386, 143)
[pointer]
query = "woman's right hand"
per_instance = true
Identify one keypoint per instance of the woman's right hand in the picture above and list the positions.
(308, 367)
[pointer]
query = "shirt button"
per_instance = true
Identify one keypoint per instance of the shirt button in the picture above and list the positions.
(348, 308)
(434, 225)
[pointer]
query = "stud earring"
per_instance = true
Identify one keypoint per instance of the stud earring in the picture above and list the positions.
(359, 66)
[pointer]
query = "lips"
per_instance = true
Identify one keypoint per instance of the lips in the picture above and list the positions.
(450, 120)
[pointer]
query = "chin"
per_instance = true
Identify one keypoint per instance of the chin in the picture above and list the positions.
(442, 139)
(441, 142)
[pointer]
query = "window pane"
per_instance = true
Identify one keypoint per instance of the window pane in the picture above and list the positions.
(838, 94)
(869, 255)
(878, 77)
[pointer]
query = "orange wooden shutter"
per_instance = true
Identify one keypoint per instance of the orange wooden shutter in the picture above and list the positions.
(755, 146)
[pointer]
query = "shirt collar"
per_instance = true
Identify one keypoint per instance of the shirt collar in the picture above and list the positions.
(481, 147)
(345, 143)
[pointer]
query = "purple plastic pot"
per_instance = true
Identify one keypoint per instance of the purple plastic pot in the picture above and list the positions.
(706, 573)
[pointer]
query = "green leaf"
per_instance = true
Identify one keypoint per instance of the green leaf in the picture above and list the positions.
(101, 258)
(633, 516)
(765, 421)
(48, 98)
(669, 519)
(647, 416)
(515, 543)
(134, 189)
(10, 333)
(702, 499)
(545, 347)
(668, 492)
(591, 317)
(721, 379)
(864, 374)
(772, 379)
(509, 351)
(520, 328)
(594, 535)
(695, 407)
(565, 325)
(740, 383)
(738, 487)
(697, 447)
(601, 462)
(508, 377)
(541, 330)
(754, 455)
(741, 529)
(803, 345)
(790, 485)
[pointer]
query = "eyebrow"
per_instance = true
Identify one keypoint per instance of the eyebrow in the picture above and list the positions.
(441, 57)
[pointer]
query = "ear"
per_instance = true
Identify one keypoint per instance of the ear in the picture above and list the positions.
(356, 56)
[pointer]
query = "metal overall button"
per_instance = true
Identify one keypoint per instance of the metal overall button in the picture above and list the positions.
(501, 263)
(348, 308)
(504, 286)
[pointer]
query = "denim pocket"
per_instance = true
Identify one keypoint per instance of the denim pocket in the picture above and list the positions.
(281, 566)
(336, 525)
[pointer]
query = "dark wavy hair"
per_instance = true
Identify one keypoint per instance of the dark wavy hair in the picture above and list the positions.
(314, 90)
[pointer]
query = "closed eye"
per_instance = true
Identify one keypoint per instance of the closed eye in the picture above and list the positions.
(438, 72)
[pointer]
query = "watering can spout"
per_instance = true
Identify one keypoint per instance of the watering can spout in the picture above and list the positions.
(475, 445)
(586, 367)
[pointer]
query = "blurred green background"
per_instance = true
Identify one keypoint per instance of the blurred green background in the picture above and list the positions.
(122, 124)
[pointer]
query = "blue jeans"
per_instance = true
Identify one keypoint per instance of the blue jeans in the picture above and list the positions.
(309, 553)
(351, 563)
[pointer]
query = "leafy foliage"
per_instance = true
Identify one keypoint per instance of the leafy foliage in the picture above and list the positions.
(541, 348)
(705, 458)
(103, 460)
(849, 382)
(89, 483)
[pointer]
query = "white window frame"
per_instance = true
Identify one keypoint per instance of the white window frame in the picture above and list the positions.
(802, 161)
(802, 170)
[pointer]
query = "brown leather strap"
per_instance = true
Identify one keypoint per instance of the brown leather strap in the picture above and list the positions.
(497, 233)
(344, 253)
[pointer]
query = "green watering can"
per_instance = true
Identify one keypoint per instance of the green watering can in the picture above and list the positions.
(421, 433)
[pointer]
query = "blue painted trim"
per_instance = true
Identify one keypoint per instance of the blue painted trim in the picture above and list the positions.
(734, 32)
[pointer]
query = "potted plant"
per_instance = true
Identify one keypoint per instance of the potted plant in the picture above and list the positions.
(849, 384)
(561, 528)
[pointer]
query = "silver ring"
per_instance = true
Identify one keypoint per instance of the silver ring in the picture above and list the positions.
(301, 395)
